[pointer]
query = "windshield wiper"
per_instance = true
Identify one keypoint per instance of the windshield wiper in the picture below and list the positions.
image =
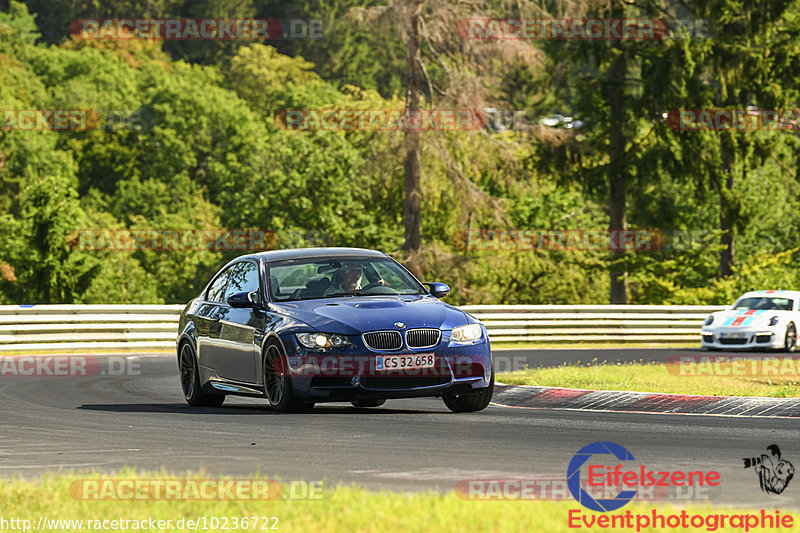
(349, 293)
(359, 293)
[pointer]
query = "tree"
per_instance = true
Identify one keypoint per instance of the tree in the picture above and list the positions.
(749, 63)
(412, 217)
(436, 26)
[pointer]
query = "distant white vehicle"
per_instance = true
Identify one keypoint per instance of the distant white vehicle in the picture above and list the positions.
(758, 319)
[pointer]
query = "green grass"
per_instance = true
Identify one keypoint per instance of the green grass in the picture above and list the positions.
(346, 509)
(654, 377)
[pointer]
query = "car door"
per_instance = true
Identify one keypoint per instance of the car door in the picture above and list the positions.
(238, 357)
(206, 320)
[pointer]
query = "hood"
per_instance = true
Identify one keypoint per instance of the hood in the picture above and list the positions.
(355, 315)
(745, 317)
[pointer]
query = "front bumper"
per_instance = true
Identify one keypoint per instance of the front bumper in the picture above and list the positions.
(743, 338)
(350, 373)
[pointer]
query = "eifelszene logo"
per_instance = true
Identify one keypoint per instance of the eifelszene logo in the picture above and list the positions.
(611, 479)
(574, 476)
(774, 473)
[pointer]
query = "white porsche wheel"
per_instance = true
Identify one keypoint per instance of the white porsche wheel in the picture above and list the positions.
(790, 341)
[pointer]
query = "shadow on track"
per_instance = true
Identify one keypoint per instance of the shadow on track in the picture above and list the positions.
(177, 408)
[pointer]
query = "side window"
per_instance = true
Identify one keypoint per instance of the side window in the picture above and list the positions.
(217, 288)
(244, 278)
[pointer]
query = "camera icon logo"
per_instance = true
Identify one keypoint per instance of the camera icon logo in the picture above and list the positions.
(774, 473)
(602, 505)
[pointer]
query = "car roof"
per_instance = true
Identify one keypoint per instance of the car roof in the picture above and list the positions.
(303, 253)
(771, 292)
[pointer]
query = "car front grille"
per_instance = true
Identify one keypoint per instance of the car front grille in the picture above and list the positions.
(708, 338)
(383, 340)
(423, 338)
(762, 339)
(733, 341)
(395, 382)
(409, 378)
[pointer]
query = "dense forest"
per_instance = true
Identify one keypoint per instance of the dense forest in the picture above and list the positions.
(564, 136)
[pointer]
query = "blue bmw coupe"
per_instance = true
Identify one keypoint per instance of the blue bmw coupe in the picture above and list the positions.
(330, 325)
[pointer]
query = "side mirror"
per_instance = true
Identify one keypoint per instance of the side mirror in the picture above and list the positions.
(243, 300)
(440, 290)
(727, 308)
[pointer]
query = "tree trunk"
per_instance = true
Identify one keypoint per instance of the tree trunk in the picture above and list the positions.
(725, 214)
(617, 175)
(412, 216)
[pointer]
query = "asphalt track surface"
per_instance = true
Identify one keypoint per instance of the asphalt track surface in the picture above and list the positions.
(104, 423)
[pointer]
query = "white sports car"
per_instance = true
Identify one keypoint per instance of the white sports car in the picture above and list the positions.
(758, 319)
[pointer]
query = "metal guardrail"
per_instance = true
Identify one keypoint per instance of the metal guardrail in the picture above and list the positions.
(552, 324)
(58, 328)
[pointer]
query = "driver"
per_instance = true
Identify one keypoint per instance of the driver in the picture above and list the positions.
(346, 279)
(349, 278)
(764, 303)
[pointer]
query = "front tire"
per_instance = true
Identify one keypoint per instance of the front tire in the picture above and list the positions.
(190, 381)
(472, 401)
(790, 341)
(278, 384)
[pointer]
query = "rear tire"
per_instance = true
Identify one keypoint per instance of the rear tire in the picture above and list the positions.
(472, 401)
(790, 341)
(278, 384)
(190, 381)
(368, 403)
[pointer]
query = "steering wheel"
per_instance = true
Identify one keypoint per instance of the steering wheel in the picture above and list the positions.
(384, 289)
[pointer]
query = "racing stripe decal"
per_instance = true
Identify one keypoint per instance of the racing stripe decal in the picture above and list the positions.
(739, 319)
(745, 318)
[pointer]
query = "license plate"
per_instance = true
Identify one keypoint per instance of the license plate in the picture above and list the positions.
(732, 335)
(402, 362)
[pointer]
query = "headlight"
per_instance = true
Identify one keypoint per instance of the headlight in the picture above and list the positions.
(322, 340)
(708, 321)
(468, 333)
(773, 320)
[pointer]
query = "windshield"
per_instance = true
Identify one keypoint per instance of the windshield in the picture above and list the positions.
(306, 279)
(778, 304)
